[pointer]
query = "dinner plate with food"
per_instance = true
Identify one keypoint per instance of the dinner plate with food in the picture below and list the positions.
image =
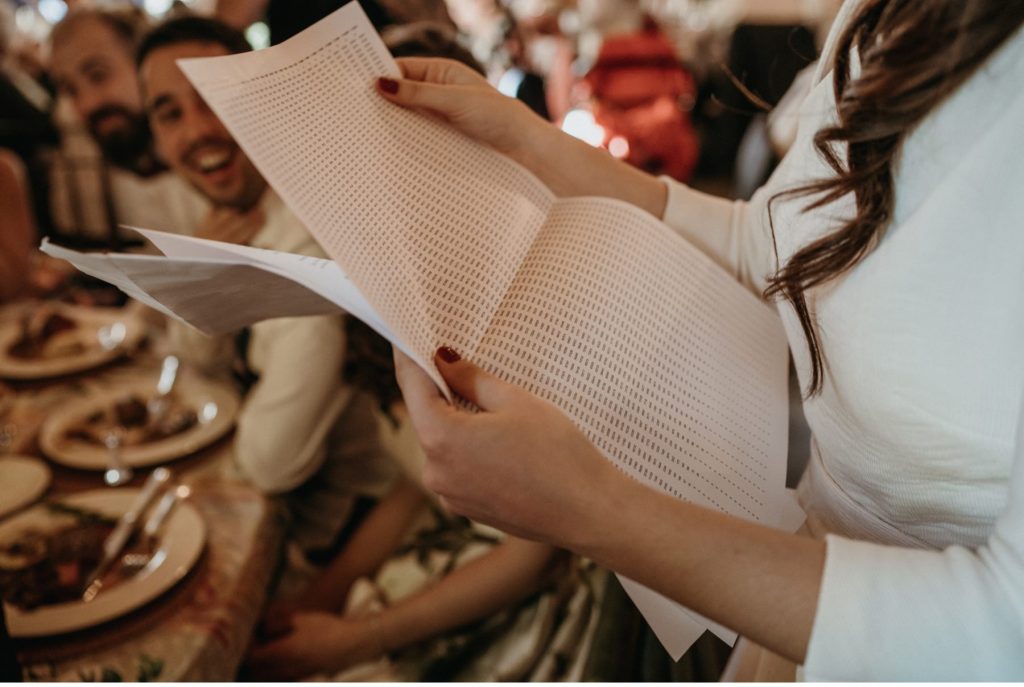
(55, 339)
(51, 553)
(150, 428)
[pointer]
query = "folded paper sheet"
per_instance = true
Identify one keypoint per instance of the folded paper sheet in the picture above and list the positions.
(674, 371)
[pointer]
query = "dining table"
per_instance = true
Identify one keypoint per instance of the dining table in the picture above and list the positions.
(200, 628)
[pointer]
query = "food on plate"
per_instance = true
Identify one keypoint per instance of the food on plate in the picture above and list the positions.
(131, 417)
(46, 335)
(43, 565)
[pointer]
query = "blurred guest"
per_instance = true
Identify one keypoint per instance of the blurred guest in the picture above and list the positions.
(539, 58)
(302, 431)
(26, 128)
(92, 60)
(639, 88)
(24, 115)
(522, 80)
(17, 227)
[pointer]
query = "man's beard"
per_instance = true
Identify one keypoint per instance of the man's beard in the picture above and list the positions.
(128, 147)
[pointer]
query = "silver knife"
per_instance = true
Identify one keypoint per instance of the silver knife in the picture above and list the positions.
(157, 517)
(123, 530)
(132, 563)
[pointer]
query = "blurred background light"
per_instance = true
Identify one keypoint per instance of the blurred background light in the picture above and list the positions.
(258, 35)
(618, 147)
(52, 10)
(581, 125)
(157, 8)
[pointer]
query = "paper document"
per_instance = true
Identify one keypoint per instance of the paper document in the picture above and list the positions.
(674, 371)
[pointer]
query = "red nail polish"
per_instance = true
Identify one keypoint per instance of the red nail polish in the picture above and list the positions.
(387, 85)
(449, 355)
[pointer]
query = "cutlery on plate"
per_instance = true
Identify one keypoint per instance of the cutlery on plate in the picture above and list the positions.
(133, 562)
(122, 532)
(118, 472)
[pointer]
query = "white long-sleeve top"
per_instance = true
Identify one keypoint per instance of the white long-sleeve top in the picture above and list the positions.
(916, 476)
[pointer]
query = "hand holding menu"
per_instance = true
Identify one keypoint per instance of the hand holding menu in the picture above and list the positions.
(674, 371)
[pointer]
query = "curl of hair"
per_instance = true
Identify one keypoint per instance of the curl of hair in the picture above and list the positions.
(912, 56)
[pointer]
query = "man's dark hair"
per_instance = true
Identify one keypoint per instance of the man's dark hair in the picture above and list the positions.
(187, 29)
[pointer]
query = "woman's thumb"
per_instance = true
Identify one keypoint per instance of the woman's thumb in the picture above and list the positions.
(471, 382)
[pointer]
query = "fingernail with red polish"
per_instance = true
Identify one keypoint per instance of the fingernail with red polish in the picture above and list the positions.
(449, 355)
(387, 85)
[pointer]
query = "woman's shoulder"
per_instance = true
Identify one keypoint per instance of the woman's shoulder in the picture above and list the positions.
(975, 133)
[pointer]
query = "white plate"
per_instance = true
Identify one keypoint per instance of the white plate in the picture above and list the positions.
(216, 406)
(22, 481)
(90, 321)
(182, 541)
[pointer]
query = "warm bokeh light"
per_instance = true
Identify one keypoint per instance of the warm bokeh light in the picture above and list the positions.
(618, 147)
(580, 124)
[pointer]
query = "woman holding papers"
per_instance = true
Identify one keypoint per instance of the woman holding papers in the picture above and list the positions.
(891, 241)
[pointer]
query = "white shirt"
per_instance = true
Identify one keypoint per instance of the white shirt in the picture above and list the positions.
(302, 430)
(154, 202)
(918, 434)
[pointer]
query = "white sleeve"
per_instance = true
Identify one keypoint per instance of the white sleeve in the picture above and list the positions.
(292, 407)
(889, 613)
(735, 234)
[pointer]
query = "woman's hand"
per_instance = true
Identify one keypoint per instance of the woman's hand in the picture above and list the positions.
(519, 465)
(569, 167)
(317, 643)
(522, 466)
(463, 98)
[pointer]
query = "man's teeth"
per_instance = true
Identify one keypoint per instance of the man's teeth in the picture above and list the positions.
(212, 161)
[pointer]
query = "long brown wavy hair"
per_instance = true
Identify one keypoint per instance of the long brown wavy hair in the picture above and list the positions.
(913, 54)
